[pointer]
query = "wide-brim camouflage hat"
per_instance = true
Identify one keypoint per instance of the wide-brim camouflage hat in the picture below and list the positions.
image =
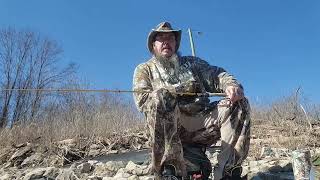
(163, 27)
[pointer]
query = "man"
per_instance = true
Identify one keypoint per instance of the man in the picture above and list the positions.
(181, 124)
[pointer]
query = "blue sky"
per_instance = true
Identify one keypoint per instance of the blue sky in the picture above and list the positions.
(271, 46)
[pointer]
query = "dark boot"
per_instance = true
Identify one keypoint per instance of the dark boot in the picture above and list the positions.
(234, 174)
(169, 173)
(201, 166)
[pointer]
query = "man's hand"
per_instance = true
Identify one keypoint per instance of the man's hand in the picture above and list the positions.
(234, 93)
(167, 99)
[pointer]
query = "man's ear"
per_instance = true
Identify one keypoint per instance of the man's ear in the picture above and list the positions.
(153, 46)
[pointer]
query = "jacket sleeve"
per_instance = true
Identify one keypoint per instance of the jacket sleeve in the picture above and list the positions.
(215, 79)
(141, 82)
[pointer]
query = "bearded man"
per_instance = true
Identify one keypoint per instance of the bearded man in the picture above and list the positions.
(181, 124)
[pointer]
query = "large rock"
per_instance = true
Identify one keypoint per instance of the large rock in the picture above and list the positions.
(93, 177)
(35, 174)
(267, 152)
(268, 168)
(5, 176)
(122, 174)
(85, 167)
(108, 169)
(149, 177)
(70, 143)
(20, 152)
(71, 155)
(94, 150)
(20, 155)
(135, 169)
(11, 173)
(67, 174)
(115, 165)
(113, 178)
(53, 160)
(32, 160)
(133, 177)
(48, 173)
(51, 172)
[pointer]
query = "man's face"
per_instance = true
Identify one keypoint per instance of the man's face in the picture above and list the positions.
(164, 44)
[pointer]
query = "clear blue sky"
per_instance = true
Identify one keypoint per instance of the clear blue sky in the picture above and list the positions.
(271, 46)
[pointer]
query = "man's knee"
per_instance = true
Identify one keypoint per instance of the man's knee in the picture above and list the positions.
(244, 105)
(239, 110)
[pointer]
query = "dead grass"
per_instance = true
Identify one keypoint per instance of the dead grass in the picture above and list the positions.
(82, 118)
(287, 123)
(282, 124)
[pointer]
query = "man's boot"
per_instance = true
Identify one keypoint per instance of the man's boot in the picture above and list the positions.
(169, 173)
(234, 174)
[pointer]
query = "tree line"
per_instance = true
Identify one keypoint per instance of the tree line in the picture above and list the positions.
(28, 60)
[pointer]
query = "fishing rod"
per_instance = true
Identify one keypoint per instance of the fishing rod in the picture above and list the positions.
(113, 91)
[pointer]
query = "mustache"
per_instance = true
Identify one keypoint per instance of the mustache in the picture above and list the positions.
(166, 47)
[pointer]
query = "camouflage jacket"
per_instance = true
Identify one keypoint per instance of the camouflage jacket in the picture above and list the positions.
(152, 75)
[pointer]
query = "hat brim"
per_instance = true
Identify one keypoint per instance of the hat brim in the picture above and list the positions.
(153, 33)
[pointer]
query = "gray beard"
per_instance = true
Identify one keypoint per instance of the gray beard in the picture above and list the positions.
(167, 63)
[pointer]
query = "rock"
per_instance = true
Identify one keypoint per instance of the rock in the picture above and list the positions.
(267, 176)
(245, 170)
(17, 158)
(274, 152)
(113, 152)
(93, 177)
(71, 143)
(130, 167)
(93, 162)
(20, 145)
(122, 174)
(266, 152)
(114, 165)
(102, 171)
(53, 160)
(67, 174)
(5, 177)
(33, 160)
(72, 155)
(11, 173)
(73, 166)
(113, 178)
(286, 165)
(135, 169)
(269, 168)
(301, 161)
(94, 150)
(99, 164)
(146, 177)
(85, 167)
(133, 177)
(35, 174)
(95, 146)
(51, 172)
